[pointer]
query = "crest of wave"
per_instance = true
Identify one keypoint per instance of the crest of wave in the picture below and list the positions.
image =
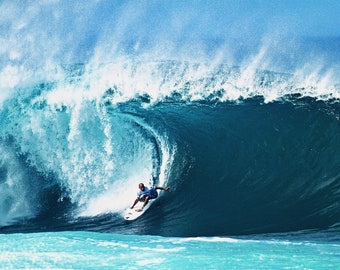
(128, 78)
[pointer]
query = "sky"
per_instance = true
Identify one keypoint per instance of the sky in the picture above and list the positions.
(69, 28)
(227, 18)
(177, 18)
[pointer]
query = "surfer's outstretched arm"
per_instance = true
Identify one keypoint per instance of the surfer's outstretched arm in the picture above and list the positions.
(162, 188)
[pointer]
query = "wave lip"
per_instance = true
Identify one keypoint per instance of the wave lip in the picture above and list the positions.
(190, 81)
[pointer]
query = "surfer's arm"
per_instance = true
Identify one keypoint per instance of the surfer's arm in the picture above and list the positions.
(134, 203)
(162, 188)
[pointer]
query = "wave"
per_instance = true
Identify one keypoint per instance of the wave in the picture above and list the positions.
(245, 150)
(156, 81)
(255, 168)
(89, 155)
(243, 126)
(76, 155)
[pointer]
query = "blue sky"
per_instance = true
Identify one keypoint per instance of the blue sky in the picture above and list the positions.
(78, 27)
(226, 18)
(176, 19)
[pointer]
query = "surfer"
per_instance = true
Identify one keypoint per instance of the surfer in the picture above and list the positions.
(145, 194)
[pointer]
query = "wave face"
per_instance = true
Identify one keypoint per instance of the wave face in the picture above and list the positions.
(252, 168)
(245, 130)
(75, 157)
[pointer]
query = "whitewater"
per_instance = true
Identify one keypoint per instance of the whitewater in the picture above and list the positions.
(246, 134)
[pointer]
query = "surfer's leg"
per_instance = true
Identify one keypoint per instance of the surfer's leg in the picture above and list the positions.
(147, 198)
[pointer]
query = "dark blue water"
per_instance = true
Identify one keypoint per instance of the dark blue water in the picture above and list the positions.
(252, 168)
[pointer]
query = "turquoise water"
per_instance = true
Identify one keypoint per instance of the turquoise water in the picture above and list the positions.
(90, 250)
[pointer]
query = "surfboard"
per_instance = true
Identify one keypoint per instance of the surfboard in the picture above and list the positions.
(132, 214)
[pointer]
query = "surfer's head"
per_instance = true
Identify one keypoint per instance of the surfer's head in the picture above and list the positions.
(141, 186)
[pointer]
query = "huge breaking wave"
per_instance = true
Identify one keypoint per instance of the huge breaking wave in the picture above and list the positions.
(244, 150)
(242, 123)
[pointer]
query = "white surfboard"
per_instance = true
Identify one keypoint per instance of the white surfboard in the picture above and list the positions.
(132, 214)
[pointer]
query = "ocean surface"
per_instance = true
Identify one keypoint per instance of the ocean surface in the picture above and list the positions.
(251, 152)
